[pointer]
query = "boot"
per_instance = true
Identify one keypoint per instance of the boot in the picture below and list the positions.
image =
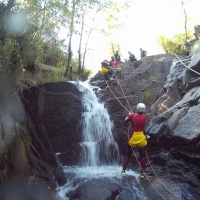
(126, 161)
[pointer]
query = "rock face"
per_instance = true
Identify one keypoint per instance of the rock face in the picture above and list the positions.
(197, 31)
(142, 81)
(56, 111)
(20, 161)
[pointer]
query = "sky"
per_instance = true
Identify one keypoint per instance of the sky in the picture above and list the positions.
(143, 23)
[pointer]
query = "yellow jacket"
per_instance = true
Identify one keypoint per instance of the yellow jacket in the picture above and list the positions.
(104, 71)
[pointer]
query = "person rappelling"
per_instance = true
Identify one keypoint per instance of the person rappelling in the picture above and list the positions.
(138, 138)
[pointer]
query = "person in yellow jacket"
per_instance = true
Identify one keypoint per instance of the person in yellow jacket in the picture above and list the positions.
(107, 71)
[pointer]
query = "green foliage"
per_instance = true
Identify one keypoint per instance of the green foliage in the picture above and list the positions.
(174, 45)
(10, 56)
(113, 48)
(55, 76)
(86, 74)
(38, 41)
(148, 95)
(152, 78)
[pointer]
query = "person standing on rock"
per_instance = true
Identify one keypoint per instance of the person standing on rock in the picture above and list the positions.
(117, 57)
(143, 53)
(138, 138)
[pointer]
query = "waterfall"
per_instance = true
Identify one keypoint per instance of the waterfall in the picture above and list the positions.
(98, 145)
(98, 175)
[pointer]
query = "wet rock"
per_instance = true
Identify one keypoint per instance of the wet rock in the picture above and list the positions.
(60, 176)
(188, 126)
(56, 110)
(108, 189)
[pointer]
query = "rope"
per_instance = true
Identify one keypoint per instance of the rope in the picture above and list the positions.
(116, 97)
(142, 169)
(147, 176)
(186, 65)
(130, 75)
(159, 178)
(123, 92)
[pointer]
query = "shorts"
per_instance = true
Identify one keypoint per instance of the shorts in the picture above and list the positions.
(138, 139)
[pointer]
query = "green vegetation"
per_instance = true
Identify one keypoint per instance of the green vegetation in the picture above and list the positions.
(29, 35)
(174, 45)
(152, 78)
(57, 74)
(148, 95)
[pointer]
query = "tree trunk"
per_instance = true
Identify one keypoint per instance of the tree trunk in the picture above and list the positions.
(87, 41)
(69, 60)
(80, 44)
(185, 14)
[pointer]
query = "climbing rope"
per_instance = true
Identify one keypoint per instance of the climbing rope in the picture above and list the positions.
(115, 96)
(142, 169)
(186, 65)
(123, 92)
(130, 75)
(159, 178)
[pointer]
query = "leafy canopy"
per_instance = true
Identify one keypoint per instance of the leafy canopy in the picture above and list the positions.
(174, 45)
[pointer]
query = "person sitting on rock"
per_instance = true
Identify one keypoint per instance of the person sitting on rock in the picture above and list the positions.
(107, 71)
(113, 62)
(138, 138)
(131, 57)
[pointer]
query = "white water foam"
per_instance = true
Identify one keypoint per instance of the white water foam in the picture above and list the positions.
(83, 174)
(98, 145)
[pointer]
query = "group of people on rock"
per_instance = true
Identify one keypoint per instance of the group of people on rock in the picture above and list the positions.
(132, 57)
(111, 68)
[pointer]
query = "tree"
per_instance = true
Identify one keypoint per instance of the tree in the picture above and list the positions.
(110, 9)
(78, 14)
(101, 5)
(174, 45)
(71, 31)
(113, 23)
(186, 20)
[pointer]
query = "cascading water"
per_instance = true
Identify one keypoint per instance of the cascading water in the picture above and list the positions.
(99, 163)
(98, 146)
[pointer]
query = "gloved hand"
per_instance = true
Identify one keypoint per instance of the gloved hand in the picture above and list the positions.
(147, 137)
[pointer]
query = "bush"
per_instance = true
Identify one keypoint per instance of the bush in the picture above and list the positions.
(55, 76)
(174, 45)
(148, 95)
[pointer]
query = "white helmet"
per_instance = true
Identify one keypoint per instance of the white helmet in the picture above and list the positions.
(141, 107)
